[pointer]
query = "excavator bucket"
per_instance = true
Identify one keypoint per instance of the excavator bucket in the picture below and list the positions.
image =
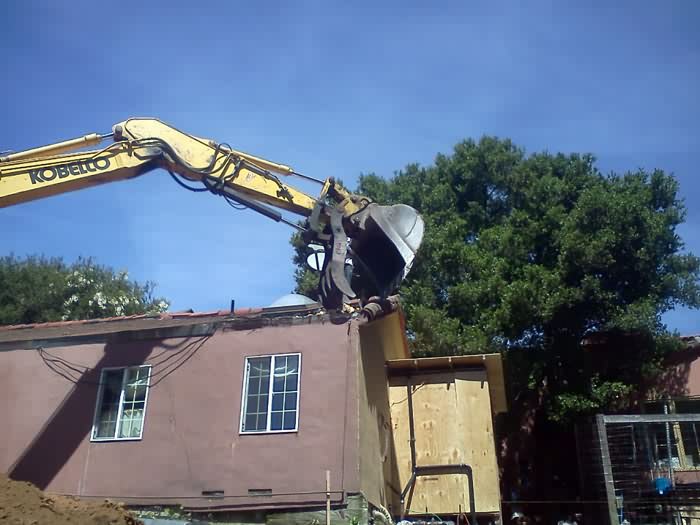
(384, 247)
(383, 244)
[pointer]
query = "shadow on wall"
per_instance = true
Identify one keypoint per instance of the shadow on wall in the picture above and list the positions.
(676, 380)
(71, 422)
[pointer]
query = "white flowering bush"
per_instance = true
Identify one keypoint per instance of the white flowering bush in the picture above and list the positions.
(37, 289)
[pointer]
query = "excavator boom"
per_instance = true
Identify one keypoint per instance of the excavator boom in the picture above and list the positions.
(368, 249)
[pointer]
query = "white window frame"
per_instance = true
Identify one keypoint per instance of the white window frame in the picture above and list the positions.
(98, 404)
(244, 396)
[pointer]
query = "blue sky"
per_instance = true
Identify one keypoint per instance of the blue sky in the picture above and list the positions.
(333, 89)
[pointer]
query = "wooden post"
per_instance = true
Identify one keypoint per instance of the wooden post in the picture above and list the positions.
(607, 469)
(328, 497)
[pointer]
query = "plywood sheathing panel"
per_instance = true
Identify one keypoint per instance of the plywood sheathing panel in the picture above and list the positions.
(453, 424)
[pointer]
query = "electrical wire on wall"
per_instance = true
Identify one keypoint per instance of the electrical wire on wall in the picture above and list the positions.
(65, 368)
(162, 365)
(187, 353)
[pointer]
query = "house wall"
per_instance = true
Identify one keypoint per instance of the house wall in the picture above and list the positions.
(191, 441)
(691, 373)
(680, 377)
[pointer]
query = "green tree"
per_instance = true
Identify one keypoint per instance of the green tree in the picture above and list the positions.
(532, 254)
(39, 289)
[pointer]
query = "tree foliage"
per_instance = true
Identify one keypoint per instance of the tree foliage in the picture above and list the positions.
(39, 289)
(532, 254)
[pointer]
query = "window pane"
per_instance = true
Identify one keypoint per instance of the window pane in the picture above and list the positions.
(286, 368)
(106, 429)
(289, 420)
(132, 374)
(250, 422)
(130, 408)
(691, 443)
(293, 364)
(276, 421)
(133, 400)
(140, 394)
(286, 383)
(292, 382)
(658, 435)
(277, 401)
(109, 404)
(136, 428)
(262, 420)
(112, 386)
(255, 422)
(290, 401)
(262, 404)
(259, 366)
(259, 409)
(135, 393)
(131, 422)
(125, 428)
(251, 403)
(137, 375)
(257, 388)
(108, 412)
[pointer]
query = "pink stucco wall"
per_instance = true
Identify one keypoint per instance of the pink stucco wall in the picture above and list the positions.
(681, 375)
(191, 441)
(692, 378)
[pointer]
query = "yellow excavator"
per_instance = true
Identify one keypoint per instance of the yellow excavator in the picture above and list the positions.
(365, 249)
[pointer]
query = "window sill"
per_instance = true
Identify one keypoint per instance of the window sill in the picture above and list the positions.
(108, 440)
(265, 432)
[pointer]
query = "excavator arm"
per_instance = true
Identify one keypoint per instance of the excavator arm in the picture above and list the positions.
(368, 249)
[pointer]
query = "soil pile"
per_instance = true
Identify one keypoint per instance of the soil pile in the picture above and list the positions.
(22, 503)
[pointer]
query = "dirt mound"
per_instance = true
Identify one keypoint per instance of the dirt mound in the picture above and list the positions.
(22, 503)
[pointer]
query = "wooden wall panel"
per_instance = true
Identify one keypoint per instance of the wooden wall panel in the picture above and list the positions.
(379, 341)
(452, 421)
